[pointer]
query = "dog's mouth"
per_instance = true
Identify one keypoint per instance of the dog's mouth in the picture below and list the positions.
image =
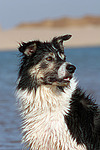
(67, 78)
(65, 81)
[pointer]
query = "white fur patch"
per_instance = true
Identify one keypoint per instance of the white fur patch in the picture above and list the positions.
(61, 55)
(54, 47)
(44, 127)
(62, 70)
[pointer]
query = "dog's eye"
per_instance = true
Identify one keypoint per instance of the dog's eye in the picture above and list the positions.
(49, 58)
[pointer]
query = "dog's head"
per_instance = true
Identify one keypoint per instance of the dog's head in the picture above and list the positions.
(44, 63)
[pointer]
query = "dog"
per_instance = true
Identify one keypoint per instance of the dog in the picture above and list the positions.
(56, 113)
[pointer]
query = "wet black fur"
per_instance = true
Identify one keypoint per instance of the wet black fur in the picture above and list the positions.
(83, 119)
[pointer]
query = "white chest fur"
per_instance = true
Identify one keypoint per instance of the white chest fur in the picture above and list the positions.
(44, 127)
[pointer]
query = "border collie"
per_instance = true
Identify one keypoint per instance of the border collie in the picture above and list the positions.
(56, 113)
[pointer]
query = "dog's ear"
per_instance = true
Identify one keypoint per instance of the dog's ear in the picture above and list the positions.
(58, 41)
(28, 48)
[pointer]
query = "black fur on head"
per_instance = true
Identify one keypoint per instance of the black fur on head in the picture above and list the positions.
(58, 41)
(31, 47)
(41, 61)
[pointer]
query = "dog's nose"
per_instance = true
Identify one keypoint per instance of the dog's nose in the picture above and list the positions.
(70, 68)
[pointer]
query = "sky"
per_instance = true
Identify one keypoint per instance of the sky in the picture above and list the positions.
(14, 12)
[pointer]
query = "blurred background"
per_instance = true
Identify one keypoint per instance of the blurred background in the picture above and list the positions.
(22, 20)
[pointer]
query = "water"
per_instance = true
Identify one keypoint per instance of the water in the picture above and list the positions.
(87, 61)
(9, 120)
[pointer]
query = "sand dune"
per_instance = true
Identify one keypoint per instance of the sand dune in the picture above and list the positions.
(83, 35)
(64, 22)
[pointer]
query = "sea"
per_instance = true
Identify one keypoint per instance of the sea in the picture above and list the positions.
(87, 62)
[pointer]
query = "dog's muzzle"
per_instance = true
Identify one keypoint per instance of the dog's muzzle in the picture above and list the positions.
(66, 71)
(61, 77)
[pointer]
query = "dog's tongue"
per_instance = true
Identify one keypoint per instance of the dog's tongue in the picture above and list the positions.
(68, 78)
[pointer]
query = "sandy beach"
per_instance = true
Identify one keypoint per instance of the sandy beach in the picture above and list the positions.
(82, 36)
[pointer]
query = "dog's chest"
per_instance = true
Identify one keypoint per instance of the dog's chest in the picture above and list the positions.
(49, 132)
(44, 126)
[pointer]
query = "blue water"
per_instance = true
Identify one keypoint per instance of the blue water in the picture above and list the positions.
(87, 61)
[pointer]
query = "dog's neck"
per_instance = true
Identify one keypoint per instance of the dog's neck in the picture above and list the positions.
(46, 97)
